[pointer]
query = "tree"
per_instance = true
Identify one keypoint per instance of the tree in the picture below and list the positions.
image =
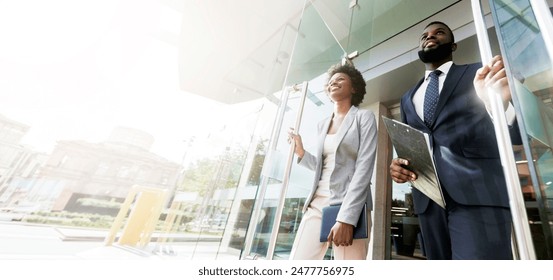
(254, 177)
(221, 171)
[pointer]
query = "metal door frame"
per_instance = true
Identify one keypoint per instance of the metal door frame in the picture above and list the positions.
(523, 246)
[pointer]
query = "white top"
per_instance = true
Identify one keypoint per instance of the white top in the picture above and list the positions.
(329, 155)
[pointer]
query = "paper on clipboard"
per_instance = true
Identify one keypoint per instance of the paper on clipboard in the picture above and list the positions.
(414, 146)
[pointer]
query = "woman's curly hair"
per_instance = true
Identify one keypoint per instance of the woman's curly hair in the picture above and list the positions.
(357, 81)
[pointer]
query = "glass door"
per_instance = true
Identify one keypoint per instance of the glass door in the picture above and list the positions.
(524, 31)
(285, 185)
(526, 47)
(267, 217)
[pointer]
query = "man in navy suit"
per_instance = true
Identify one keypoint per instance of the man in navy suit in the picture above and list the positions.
(476, 223)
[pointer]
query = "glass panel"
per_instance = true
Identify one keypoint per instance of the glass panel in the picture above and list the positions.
(214, 200)
(361, 27)
(375, 21)
(315, 51)
(530, 67)
(68, 154)
(273, 173)
(337, 17)
(317, 106)
(405, 228)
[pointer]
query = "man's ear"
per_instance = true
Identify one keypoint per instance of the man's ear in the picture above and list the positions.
(453, 47)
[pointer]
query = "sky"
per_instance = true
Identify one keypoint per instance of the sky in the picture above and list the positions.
(73, 70)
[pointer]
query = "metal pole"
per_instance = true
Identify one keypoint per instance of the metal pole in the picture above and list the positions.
(521, 228)
(286, 179)
(252, 229)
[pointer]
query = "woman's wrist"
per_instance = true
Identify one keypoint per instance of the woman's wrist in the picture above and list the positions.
(300, 153)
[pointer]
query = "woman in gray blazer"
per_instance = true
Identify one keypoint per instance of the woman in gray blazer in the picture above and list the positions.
(343, 166)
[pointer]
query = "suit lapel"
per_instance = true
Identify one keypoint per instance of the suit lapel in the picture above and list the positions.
(346, 123)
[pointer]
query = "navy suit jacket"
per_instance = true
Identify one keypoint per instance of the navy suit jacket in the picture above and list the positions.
(464, 142)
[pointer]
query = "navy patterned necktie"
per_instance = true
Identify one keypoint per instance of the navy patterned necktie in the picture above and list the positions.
(431, 97)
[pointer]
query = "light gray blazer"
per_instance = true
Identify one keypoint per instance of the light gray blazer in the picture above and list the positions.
(355, 157)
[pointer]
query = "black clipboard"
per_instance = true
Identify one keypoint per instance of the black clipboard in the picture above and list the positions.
(413, 145)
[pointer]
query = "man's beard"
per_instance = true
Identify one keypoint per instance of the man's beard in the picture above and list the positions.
(437, 54)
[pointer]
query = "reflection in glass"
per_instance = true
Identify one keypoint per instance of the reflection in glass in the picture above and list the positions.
(405, 230)
(530, 67)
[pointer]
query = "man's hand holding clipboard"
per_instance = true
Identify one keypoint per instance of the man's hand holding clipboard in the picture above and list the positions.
(413, 145)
